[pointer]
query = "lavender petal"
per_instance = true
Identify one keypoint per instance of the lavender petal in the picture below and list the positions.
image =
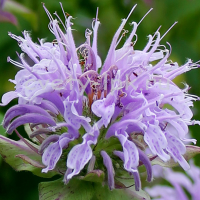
(176, 148)
(145, 160)
(80, 154)
(54, 151)
(8, 97)
(29, 118)
(137, 180)
(157, 142)
(110, 170)
(47, 141)
(22, 110)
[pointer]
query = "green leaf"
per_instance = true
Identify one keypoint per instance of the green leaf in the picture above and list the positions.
(78, 189)
(2, 130)
(138, 195)
(191, 151)
(17, 8)
(94, 176)
(19, 156)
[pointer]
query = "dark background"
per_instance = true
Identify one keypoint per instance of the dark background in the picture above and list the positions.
(184, 38)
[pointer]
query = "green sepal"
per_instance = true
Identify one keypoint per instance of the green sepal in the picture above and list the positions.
(109, 145)
(94, 176)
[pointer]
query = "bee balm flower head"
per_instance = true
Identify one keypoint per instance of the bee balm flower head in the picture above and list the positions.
(104, 120)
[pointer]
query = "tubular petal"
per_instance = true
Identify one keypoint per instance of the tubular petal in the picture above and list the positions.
(22, 110)
(110, 170)
(30, 118)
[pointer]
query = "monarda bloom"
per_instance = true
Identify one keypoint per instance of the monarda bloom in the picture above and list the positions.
(94, 117)
(180, 182)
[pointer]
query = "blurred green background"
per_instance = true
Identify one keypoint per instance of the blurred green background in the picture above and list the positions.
(184, 38)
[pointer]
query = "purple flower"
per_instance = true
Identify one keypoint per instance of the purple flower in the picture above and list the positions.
(179, 181)
(76, 112)
(6, 16)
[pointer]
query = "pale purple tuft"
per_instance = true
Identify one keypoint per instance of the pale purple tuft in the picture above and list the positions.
(180, 182)
(73, 108)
